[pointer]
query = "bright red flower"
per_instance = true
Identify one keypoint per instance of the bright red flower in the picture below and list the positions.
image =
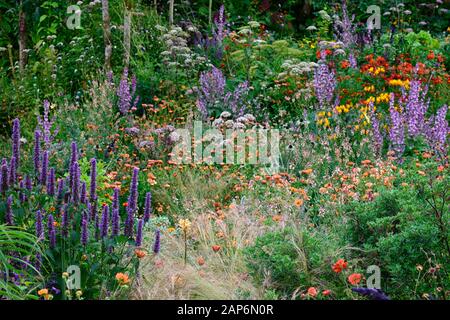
(340, 265)
(354, 278)
(312, 292)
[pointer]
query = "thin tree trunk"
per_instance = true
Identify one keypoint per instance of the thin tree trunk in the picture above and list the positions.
(22, 39)
(127, 37)
(210, 12)
(171, 3)
(107, 34)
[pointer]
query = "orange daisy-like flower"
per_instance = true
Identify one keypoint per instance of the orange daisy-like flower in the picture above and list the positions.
(340, 265)
(140, 253)
(298, 203)
(312, 292)
(122, 278)
(354, 278)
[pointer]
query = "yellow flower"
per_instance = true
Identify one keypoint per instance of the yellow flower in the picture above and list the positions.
(184, 224)
(43, 292)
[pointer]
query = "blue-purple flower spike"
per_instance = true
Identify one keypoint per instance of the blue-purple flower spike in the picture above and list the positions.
(132, 200)
(39, 225)
(65, 222)
(374, 294)
(4, 178)
(51, 231)
(84, 231)
(104, 223)
(9, 218)
(16, 142)
(139, 233)
(83, 196)
(51, 183)
(12, 172)
(44, 169)
(115, 202)
(93, 187)
(37, 154)
(148, 206)
(115, 222)
(157, 244)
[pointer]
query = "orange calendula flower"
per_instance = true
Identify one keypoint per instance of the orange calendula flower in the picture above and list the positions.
(340, 265)
(354, 278)
(122, 278)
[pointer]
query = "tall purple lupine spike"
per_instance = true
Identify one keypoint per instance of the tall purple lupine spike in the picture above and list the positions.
(51, 231)
(83, 196)
(132, 200)
(148, 206)
(157, 244)
(84, 231)
(115, 202)
(12, 172)
(4, 176)
(44, 169)
(37, 154)
(51, 183)
(324, 82)
(16, 142)
(397, 131)
(139, 230)
(115, 222)
(104, 223)
(93, 187)
(9, 217)
(39, 225)
(65, 222)
(75, 190)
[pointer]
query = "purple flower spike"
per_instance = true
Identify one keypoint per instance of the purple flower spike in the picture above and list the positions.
(28, 183)
(22, 195)
(73, 159)
(60, 194)
(132, 200)
(39, 225)
(75, 195)
(129, 223)
(12, 172)
(51, 183)
(16, 142)
(51, 231)
(93, 188)
(148, 206)
(115, 228)
(397, 131)
(374, 294)
(65, 222)
(37, 153)
(93, 211)
(104, 222)
(4, 178)
(9, 218)
(139, 233)
(84, 231)
(44, 169)
(324, 83)
(115, 203)
(83, 196)
(157, 244)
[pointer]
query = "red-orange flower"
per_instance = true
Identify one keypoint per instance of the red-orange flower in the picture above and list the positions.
(354, 278)
(312, 292)
(216, 248)
(326, 292)
(340, 265)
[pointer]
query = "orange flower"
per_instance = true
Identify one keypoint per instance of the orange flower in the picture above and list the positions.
(307, 171)
(298, 203)
(200, 261)
(140, 253)
(354, 278)
(43, 292)
(122, 278)
(312, 292)
(215, 248)
(125, 204)
(340, 265)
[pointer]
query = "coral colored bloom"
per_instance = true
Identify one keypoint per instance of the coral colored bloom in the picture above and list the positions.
(140, 253)
(340, 265)
(326, 292)
(122, 278)
(215, 248)
(312, 292)
(43, 292)
(354, 278)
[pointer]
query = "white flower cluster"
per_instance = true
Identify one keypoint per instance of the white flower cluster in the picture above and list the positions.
(225, 121)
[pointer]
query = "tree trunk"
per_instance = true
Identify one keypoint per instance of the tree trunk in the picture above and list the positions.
(171, 3)
(22, 39)
(127, 37)
(107, 34)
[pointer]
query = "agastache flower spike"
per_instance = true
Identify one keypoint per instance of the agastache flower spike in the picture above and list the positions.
(104, 222)
(157, 244)
(75, 183)
(51, 183)
(60, 194)
(115, 228)
(84, 231)
(139, 233)
(148, 206)
(115, 202)
(73, 159)
(132, 200)
(28, 183)
(12, 172)
(16, 142)
(83, 197)
(4, 176)
(9, 218)
(93, 187)
(44, 169)
(39, 225)
(37, 154)
(65, 221)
